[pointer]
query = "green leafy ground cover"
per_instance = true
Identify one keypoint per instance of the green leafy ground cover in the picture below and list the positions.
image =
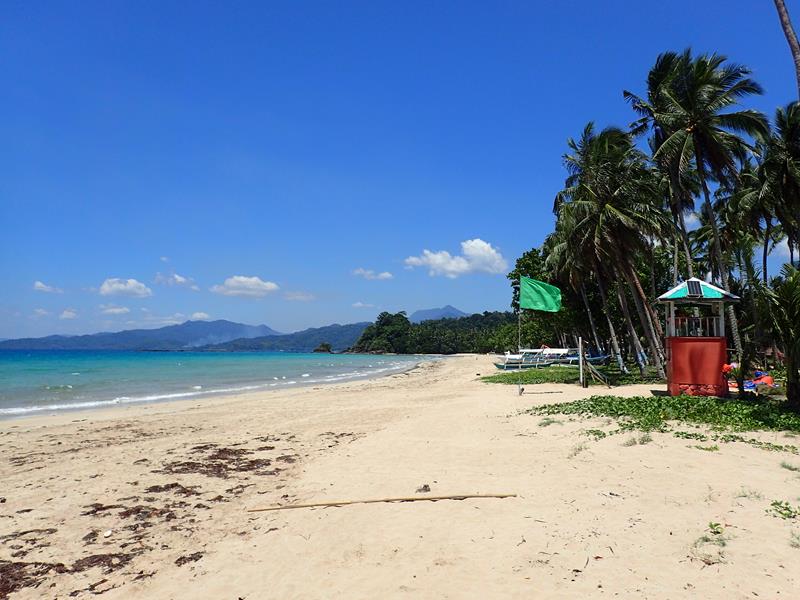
(657, 413)
(570, 375)
(654, 412)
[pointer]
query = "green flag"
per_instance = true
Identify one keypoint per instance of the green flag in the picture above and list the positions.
(538, 295)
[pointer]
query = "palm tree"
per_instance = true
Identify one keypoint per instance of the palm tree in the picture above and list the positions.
(699, 134)
(573, 262)
(569, 266)
(611, 197)
(677, 183)
(783, 307)
(754, 203)
(791, 38)
(780, 172)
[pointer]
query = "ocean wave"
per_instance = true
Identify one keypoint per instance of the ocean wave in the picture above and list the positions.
(198, 391)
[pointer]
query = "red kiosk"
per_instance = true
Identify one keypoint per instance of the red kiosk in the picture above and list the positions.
(697, 347)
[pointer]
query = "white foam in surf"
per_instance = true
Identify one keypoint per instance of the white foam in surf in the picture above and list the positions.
(198, 390)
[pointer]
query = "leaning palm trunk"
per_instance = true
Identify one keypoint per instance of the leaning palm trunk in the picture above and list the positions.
(783, 304)
(653, 321)
(717, 251)
(612, 332)
(791, 38)
(638, 351)
(591, 318)
(765, 253)
(685, 242)
(675, 260)
(649, 332)
(650, 323)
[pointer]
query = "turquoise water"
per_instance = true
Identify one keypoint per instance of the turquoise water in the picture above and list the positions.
(33, 382)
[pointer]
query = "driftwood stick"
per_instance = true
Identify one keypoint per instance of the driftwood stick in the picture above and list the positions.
(376, 500)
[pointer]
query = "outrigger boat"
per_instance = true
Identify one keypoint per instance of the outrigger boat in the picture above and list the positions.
(533, 358)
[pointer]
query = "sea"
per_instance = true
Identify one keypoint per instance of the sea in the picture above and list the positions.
(49, 381)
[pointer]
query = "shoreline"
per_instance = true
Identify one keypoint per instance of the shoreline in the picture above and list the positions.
(151, 502)
(203, 395)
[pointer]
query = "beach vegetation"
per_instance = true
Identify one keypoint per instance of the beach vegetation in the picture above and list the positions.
(749, 494)
(715, 528)
(654, 413)
(597, 434)
(709, 547)
(640, 440)
(783, 510)
(691, 435)
(570, 374)
(576, 449)
(712, 448)
(790, 467)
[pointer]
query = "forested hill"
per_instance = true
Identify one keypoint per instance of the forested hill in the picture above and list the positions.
(487, 332)
(340, 337)
(188, 335)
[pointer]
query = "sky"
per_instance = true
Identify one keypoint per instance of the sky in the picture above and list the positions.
(304, 163)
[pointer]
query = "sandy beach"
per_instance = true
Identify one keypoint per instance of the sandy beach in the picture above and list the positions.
(150, 501)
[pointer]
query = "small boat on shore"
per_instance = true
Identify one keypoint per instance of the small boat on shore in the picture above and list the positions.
(532, 358)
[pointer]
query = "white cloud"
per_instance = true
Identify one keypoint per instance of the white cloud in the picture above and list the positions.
(40, 312)
(781, 249)
(691, 220)
(151, 320)
(200, 316)
(299, 296)
(240, 285)
(476, 256)
(177, 280)
(68, 313)
(48, 289)
(372, 275)
(362, 305)
(111, 309)
(124, 287)
(164, 259)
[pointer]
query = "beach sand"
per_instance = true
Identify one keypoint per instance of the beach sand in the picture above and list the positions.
(150, 501)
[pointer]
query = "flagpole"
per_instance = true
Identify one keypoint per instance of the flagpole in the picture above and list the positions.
(519, 350)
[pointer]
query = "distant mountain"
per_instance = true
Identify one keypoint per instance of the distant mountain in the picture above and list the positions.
(433, 314)
(190, 334)
(340, 337)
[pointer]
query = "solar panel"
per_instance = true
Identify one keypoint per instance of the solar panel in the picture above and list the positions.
(693, 289)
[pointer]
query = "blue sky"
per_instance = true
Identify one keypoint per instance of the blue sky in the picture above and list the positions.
(297, 142)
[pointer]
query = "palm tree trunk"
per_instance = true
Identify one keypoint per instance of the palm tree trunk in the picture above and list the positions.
(792, 382)
(717, 251)
(652, 319)
(638, 351)
(649, 331)
(675, 260)
(791, 37)
(614, 342)
(653, 270)
(685, 240)
(591, 319)
(767, 233)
